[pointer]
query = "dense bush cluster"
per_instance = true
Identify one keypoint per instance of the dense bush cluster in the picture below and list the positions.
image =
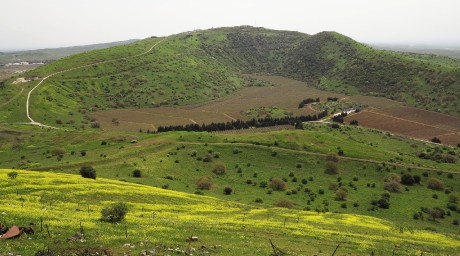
(439, 155)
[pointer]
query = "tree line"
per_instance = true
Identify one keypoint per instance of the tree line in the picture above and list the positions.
(239, 124)
(307, 101)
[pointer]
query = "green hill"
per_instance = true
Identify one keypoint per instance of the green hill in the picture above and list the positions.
(176, 161)
(203, 65)
(336, 62)
(66, 206)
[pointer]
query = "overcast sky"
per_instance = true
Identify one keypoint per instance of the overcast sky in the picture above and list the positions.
(32, 24)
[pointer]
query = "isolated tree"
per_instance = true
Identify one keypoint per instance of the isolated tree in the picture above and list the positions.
(204, 182)
(88, 172)
(207, 158)
(454, 198)
(12, 175)
(384, 203)
(435, 184)
(137, 173)
(392, 186)
(436, 213)
(219, 169)
(407, 179)
(228, 190)
(277, 184)
(115, 212)
(331, 168)
(341, 195)
(331, 157)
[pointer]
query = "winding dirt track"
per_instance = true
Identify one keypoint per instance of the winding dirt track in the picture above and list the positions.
(33, 122)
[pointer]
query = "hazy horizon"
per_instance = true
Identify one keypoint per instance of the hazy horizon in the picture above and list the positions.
(28, 25)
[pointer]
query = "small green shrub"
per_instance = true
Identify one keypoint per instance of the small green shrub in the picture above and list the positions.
(137, 173)
(277, 184)
(204, 182)
(88, 172)
(454, 198)
(435, 184)
(392, 186)
(331, 168)
(114, 213)
(341, 195)
(219, 169)
(228, 190)
(285, 203)
(392, 177)
(12, 175)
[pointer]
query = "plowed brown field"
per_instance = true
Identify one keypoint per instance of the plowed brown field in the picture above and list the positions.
(286, 95)
(420, 124)
(383, 114)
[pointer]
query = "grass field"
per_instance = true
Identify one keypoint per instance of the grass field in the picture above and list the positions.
(175, 161)
(61, 204)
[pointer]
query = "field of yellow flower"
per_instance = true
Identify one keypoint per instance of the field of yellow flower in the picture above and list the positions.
(62, 205)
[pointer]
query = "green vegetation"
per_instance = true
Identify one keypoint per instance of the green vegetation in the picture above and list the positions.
(115, 212)
(203, 65)
(186, 161)
(335, 62)
(66, 209)
(320, 185)
(263, 112)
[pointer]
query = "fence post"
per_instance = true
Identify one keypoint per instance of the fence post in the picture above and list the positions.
(335, 249)
(82, 233)
(48, 231)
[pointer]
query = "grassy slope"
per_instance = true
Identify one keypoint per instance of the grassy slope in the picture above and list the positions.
(62, 202)
(203, 65)
(335, 62)
(167, 160)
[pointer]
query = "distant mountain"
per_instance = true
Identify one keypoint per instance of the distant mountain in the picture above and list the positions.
(448, 51)
(47, 55)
